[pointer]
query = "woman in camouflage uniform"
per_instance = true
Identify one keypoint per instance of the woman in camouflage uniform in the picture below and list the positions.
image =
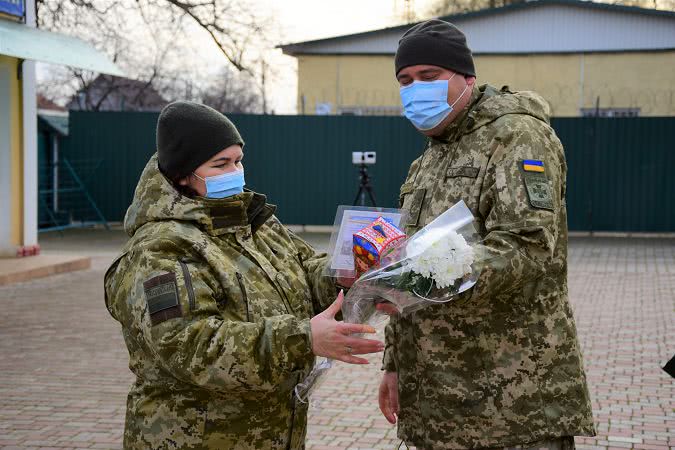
(220, 304)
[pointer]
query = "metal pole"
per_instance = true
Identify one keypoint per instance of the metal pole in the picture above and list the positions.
(55, 172)
(593, 156)
(86, 193)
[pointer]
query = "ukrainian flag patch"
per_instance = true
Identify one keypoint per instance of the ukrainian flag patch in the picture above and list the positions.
(533, 165)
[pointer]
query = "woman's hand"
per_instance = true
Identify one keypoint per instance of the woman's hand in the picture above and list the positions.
(333, 339)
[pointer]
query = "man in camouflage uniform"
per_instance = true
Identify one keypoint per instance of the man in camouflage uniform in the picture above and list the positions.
(499, 367)
(215, 297)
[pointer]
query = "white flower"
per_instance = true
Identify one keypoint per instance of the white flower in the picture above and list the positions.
(442, 255)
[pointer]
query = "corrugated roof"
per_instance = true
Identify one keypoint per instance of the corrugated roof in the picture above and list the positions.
(386, 38)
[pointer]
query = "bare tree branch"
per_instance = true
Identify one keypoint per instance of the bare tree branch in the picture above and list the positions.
(142, 36)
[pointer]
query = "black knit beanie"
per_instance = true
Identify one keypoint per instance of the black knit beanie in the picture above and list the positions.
(436, 43)
(189, 134)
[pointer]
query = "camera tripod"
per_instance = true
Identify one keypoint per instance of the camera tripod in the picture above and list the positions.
(364, 187)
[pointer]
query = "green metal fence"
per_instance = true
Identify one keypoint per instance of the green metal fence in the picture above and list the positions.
(620, 173)
(619, 169)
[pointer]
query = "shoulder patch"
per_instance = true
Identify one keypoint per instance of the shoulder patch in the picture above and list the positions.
(161, 296)
(536, 184)
(533, 165)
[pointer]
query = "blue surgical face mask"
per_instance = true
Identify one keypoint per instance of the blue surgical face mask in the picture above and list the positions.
(425, 103)
(225, 185)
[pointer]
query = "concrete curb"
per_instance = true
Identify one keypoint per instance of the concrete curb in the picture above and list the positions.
(16, 270)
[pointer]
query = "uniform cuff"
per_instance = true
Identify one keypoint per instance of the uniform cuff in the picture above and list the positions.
(388, 360)
(299, 346)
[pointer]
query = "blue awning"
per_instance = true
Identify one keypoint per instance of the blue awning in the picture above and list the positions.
(21, 41)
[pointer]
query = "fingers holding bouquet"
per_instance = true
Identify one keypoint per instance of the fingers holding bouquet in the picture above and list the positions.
(397, 275)
(432, 266)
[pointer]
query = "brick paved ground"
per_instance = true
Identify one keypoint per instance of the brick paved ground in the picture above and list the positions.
(64, 375)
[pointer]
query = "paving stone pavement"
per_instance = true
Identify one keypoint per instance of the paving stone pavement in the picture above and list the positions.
(65, 377)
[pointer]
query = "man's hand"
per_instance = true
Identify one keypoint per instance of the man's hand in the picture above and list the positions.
(387, 308)
(346, 281)
(333, 339)
(388, 396)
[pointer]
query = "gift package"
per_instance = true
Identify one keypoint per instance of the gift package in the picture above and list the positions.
(373, 242)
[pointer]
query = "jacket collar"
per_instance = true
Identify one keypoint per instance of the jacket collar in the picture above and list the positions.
(232, 213)
(458, 126)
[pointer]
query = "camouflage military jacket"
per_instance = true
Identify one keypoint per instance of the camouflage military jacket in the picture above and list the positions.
(214, 298)
(500, 365)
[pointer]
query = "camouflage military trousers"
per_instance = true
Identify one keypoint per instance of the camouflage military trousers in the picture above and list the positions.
(563, 443)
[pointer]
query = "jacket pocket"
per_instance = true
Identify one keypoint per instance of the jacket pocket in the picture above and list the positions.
(459, 379)
(244, 296)
(298, 424)
(411, 203)
(406, 189)
(513, 371)
(251, 300)
(462, 172)
(188, 282)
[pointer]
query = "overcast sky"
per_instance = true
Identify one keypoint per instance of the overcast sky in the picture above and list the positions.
(312, 19)
(302, 20)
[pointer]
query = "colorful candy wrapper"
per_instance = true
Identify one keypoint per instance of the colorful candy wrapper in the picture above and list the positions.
(373, 242)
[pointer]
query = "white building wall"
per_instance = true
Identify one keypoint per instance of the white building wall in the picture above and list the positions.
(537, 29)
(30, 159)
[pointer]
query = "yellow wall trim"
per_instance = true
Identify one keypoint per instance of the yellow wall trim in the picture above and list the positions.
(16, 149)
(570, 82)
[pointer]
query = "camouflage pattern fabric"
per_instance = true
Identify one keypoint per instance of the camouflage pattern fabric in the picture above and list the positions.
(564, 443)
(500, 365)
(214, 298)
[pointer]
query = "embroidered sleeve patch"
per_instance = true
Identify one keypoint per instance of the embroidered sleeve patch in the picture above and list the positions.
(533, 165)
(536, 184)
(161, 295)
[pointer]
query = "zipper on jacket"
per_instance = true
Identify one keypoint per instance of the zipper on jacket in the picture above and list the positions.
(294, 406)
(240, 280)
(290, 432)
(188, 283)
(284, 298)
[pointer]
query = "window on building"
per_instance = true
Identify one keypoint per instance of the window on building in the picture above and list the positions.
(610, 112)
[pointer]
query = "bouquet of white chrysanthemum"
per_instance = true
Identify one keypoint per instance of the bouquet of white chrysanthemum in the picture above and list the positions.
(432, 266)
